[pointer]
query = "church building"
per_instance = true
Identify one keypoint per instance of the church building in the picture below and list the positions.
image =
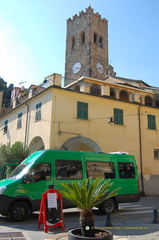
(95, 111)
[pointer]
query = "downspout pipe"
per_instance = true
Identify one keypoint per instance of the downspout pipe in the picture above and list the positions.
(140, 149)
(26, 126)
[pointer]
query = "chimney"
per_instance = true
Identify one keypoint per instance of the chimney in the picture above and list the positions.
(54, 79)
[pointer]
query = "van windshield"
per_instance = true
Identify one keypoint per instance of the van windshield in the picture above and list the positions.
(20, 171)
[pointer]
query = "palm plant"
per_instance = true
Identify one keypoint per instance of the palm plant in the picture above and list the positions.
(85, 196)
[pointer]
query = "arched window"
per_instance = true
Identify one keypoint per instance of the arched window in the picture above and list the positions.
(95, 38)
(95, 89)
(124, 95)
(148, 101)
(101, 42)
(73, 43)
(112, 93)
(77, 88)
(82, 37)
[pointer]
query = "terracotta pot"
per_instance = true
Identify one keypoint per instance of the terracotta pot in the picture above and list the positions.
(75, 234)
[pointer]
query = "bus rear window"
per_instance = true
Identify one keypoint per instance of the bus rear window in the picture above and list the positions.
(68, 169)
(126, 170)
(100, 169)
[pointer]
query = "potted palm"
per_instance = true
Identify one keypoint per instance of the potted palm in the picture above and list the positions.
(85, 196)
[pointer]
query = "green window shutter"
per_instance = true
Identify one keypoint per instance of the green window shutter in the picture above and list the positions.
(85, 110)
(5, 126)
(82, 110)
(19, 122)
(38, 111)
(79, 109)
(118, 116)
(151, 122)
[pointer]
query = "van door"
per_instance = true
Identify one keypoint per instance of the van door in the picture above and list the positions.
(67, 171)
(37, 182)
(103, 169)
(128, 181)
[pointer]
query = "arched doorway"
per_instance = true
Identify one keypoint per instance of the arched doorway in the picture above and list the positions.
(81, 144)
(36, 144)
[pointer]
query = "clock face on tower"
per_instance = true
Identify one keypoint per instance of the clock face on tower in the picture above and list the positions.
(100, 68)
(76, 67)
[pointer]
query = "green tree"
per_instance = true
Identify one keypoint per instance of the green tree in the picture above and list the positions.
(3, 84)
(13, 154)
(6, 92)
(85, 196)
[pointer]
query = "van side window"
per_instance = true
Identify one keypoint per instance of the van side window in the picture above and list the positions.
(68, 169)
(100, 169)
(41, 171)
(126, 170)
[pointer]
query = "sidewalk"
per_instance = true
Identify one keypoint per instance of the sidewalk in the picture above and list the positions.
(124, 228)
(64, 236)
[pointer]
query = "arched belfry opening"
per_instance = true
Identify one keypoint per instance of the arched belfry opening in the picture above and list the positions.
(124, 95)
(148, 101)
(83, 37)
(95, 89)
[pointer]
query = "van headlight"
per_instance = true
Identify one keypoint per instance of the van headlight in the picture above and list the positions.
(2, 189)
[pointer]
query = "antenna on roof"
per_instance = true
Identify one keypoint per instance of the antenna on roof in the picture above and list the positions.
(21, 83)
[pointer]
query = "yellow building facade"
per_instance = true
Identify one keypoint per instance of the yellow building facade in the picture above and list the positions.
(91, 115)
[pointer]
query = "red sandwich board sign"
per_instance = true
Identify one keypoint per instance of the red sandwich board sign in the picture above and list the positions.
(51, 210)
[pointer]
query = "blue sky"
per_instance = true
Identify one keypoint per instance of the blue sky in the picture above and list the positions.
(33, 38)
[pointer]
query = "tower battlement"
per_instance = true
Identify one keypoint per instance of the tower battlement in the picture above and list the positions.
(89, 11)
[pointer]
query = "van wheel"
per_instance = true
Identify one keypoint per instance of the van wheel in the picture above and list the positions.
(18, 212)
(107, 206)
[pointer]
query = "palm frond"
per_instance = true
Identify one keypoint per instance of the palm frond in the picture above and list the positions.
(88, 194)
(93, 190)
(76, 189)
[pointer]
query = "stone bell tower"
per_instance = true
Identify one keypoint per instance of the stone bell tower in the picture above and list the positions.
(86, 46)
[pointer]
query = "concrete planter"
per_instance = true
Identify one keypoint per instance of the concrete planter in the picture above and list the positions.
(75, 234)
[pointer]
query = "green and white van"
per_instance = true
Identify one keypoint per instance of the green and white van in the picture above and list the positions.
(21, 192)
